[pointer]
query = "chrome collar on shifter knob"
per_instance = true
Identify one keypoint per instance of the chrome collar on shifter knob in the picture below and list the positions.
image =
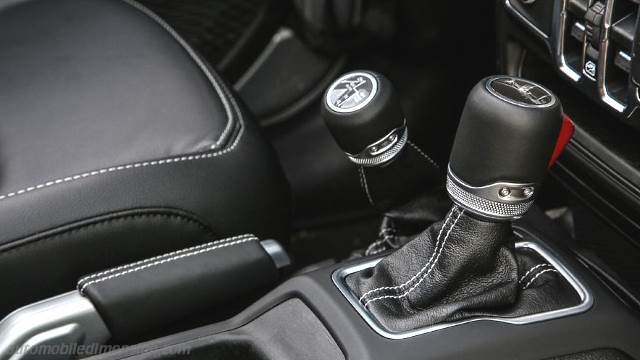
(500, 201)
(383, 150)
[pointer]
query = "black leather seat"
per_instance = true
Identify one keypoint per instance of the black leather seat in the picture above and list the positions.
(117, 143)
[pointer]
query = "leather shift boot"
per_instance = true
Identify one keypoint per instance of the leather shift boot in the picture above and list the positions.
(459, 268)
(391, 190)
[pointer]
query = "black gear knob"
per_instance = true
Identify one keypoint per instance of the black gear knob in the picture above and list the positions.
(505, 139)
(363, 114)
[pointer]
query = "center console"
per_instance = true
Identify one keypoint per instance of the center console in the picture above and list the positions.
(491, 280)
(327, 325)
(584, 303)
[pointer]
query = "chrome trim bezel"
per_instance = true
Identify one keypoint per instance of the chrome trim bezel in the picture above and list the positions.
(586, 300)
(560, 42)
(603, 92)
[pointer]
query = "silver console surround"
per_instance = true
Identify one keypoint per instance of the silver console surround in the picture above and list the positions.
(500, 201)
(68, 319)
(383, 150)
(586, 299)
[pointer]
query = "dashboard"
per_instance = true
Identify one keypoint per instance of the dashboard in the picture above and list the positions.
(592, 43)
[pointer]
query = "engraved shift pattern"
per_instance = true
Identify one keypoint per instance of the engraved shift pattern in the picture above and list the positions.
(492, 209)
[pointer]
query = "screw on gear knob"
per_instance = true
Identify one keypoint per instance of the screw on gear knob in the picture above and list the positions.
(363, 114)
(504, 141)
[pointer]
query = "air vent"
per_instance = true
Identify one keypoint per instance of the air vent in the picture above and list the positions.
(624, 28)
(624, 15)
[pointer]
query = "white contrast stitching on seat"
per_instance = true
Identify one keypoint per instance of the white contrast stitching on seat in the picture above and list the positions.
(408, 291)
(423, 154)
(166, 260)
(537, 276)
(204, 68)
(175, 159)
(178, 158)
(531, 270)
(414, 277)
(137, 263)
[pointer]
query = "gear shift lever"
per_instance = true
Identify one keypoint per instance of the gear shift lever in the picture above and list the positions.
(504, 141)
(364, 116)
(401, 181)
(466, 265)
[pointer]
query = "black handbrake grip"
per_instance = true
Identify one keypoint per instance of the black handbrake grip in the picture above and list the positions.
(141, 297)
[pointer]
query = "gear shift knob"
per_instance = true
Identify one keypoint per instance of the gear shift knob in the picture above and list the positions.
(504, 141)
(364, 116)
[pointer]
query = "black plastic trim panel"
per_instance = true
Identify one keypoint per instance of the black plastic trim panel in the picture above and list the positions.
(609, 324)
